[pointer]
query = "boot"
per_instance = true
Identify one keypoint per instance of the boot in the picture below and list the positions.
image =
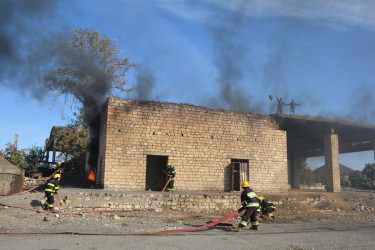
(254, 228)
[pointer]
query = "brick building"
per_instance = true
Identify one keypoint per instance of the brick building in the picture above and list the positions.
(217, 149)
(211, 149)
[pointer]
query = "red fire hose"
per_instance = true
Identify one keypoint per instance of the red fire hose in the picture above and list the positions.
(223, 219)
(213, 223)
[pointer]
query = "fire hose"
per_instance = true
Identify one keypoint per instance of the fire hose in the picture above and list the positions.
(223, 219)
(91, 211)
(200, 228)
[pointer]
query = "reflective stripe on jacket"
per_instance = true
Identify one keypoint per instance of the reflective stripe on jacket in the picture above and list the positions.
(52, 186)
(172, 172)
(249, 198)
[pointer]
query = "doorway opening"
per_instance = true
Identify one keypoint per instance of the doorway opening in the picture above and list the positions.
(239, 173)
(155, 177)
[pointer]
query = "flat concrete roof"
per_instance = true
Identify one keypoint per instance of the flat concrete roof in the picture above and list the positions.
(305, 134)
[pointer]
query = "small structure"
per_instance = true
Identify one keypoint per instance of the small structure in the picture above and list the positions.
(211, 149)
(11, 178)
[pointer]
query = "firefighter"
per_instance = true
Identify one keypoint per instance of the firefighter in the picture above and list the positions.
(51, 189)
(250, 202)
(171, 173)
(267, 209)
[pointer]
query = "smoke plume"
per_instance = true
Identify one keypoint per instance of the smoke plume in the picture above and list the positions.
(23, 49)
(232, 52)
(29, 47)
(145, 85)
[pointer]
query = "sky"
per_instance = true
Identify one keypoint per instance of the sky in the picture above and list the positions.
(214, 53)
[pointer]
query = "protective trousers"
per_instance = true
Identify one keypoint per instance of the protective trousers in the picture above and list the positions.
(170, 186)
(48, 205)
(250, 214)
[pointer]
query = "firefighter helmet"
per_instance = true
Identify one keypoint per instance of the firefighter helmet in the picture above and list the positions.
(169, 164)
(261, 198)
(245, 184)
(57, 176)
(59, 163)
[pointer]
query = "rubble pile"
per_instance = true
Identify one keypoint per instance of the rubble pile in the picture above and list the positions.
(33, 182)
(362, 201)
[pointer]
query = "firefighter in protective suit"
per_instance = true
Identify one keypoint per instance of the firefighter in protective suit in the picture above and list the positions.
(171, 173)
(267, 209)
(250, 202)
(53, 186)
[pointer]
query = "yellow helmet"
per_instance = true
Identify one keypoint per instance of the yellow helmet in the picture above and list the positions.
(57, 176)
(168, 164)
(245, 184)
(261, 198)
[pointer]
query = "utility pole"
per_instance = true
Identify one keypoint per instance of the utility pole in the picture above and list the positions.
(15, 141)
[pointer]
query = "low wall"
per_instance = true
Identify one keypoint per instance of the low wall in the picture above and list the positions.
(164, 201)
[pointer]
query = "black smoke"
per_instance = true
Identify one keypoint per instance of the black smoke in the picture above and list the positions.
(24, 47)
(31, 37)
(144, 88)
(231, 60)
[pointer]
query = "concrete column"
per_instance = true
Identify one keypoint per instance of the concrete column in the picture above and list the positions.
(54, 150)
(295, 171)
(331, 155)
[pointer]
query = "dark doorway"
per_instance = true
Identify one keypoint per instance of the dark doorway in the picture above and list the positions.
(155, 177)
(239, 173)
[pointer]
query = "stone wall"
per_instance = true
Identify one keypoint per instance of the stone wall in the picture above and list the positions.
(198, 141)
(84, 201)
(331, 156)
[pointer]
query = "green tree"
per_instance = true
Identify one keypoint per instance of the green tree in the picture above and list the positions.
(369, 174)
(15, 156)
(306, 175)
(33, 155)
(72, 142)
(357, 179)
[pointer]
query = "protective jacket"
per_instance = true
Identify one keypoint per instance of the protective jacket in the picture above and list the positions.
(52, 186)
(171, 172)
(249, 198)
(267, 207)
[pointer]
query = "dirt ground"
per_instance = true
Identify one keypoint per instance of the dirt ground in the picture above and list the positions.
(299, 212)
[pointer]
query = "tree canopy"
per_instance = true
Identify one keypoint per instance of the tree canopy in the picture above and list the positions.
(88, 68)
(72, 142)
(24, 159)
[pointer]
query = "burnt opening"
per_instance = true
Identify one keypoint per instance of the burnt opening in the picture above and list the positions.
(155, 177)
(239, 173)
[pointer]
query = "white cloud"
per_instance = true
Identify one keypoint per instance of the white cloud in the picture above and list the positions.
(347, 12)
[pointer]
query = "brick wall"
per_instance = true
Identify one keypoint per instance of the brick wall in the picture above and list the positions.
(198, 141)
(331, 156)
